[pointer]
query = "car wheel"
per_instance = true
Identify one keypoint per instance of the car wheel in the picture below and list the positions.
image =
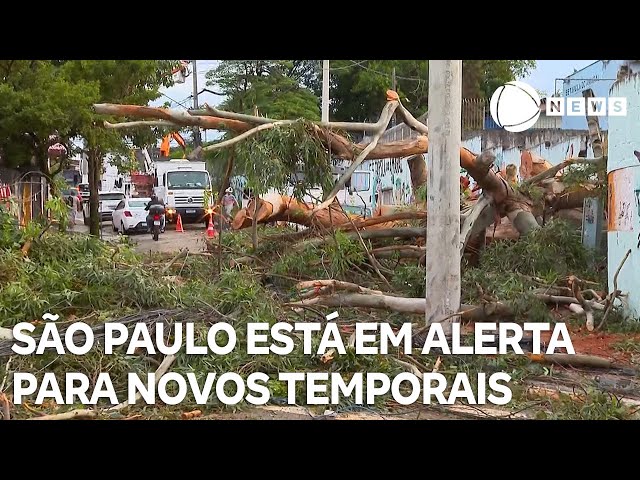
(113, 225)
(85, 220)
(122, 230)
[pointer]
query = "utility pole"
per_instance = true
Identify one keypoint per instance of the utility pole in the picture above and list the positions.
(196, 130)
(443, 192)
(325, 90)
(394, 87)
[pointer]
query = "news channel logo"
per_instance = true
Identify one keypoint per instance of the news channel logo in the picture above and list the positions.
(516, 106)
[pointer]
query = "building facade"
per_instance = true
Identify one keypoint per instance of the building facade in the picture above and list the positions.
(623, 168)
(599, 77)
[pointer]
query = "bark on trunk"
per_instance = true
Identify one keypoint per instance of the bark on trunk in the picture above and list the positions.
(95, 169)
(281, 208)
(227, 175)
(416, 306)
(402, 232)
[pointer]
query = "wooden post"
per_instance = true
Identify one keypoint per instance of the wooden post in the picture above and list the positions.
(443, 191)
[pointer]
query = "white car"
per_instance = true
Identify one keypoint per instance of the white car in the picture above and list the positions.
(107, 202)
(130, 215)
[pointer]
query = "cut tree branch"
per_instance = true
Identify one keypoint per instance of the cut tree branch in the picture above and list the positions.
(175, 116)
(140, 123)
(73, 414)
(410, 120)
(400, 232)
(162, 369)
(482, 210)
(551, 172)
(385, 118)
(347, 126)
(247, 134)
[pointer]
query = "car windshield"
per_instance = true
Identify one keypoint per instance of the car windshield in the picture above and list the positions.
(111, 196)
(84, 187)
(137, 204)
(187, 180)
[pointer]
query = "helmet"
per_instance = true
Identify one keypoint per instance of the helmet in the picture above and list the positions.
(229, 190)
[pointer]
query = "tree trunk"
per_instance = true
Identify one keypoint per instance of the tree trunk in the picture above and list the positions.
(227, 175)
(401, 232)
(95, 170)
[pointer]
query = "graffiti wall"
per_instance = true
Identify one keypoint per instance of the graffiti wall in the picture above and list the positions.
(393, 180)
(623, 237)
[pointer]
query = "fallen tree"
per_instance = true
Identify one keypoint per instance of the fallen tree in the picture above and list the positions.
(325, 292)
(500, 197)
(505, 200)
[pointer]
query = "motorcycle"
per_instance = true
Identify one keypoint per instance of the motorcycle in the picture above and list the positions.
(156, 212)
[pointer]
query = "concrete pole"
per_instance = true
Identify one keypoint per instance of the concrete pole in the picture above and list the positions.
(325, 90)
(443, 191)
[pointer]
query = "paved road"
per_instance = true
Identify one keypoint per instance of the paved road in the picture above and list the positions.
(170, 241)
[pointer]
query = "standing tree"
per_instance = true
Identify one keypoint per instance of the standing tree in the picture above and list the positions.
(275, 87)
(358, 86)
(37, 101)
(135, 82)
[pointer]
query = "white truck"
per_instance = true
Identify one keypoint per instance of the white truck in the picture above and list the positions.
(182, 184)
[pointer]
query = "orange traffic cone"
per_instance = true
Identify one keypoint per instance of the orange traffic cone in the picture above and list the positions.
(211, 232)
(179, 224)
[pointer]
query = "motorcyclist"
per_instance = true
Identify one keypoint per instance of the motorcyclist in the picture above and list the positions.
(155, 201)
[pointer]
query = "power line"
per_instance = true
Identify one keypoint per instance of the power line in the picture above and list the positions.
(353, 64)
(360, 65)
(414, 79)
(175, 101)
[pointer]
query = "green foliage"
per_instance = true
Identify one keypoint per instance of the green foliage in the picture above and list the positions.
(480, 78)
(533, 192)
(421, 193)
(273, 86)
(617, 322)
(125, 163)
(10, 236)
(291, 89)
(358, 86)
(628, 345)
(340, 255)
(71, 273)
(591, 404)
(269, 158)
(37, 99)
(578, 175)
(120, 81)
(551, 252)
(59, 210)
(410, 280)
(334, 259)
(298, 264)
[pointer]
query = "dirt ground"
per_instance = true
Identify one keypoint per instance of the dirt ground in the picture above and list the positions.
(606, 345)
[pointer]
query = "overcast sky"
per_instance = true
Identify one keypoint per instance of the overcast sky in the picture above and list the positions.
(181, 95)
